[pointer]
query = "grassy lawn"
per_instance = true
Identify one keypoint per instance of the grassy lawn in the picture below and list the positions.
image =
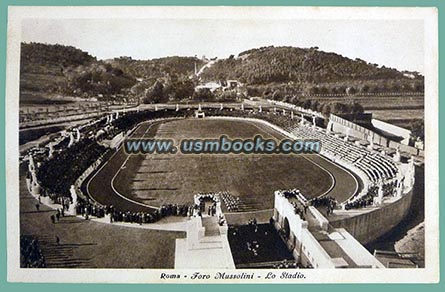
(156, 179)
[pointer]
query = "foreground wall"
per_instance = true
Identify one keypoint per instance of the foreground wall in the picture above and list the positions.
(308, 250)
(369, 226)
(305, 248)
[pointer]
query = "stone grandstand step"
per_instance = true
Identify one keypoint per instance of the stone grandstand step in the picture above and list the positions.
(211, 239)
(205, 244)
(375, 165)
(209, 242)
(245, 208)
(60, 255)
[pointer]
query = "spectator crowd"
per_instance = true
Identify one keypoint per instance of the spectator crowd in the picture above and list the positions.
(86, 209)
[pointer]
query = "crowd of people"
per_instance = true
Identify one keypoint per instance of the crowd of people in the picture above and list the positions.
(290, 194)
(323, 201)
(254, 245)
(362, 202)
(130, 120)
(287, 264)
(30, 253)
(327, 202)
(300, 210)
(298, 201)
(232, 203)
(387, 190)
(56, 175)
(368, 199)
(56, 198)
(145, 217)
(86, 209)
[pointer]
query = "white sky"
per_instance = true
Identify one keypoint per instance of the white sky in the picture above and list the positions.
(393, 43)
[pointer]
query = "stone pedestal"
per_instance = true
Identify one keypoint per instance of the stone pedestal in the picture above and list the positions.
(72, 207)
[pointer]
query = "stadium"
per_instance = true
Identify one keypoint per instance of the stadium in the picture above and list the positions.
(313, 210)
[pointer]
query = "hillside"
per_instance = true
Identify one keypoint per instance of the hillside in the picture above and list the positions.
(42, 67)
(310, 71)
(36, 57)
(273, 72)
(48, 70)
(171, 72)
(175, 67)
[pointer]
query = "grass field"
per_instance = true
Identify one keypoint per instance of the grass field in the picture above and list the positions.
(380, 102)
(158, 179)
(401, 117)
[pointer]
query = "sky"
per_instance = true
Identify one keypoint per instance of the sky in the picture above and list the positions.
(393, 43)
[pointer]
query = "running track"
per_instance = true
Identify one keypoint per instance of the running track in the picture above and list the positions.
(99, 184)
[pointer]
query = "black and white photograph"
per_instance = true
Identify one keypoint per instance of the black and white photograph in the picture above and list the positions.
(222, 144)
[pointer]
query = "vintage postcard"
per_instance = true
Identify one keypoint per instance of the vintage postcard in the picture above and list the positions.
(222, 145)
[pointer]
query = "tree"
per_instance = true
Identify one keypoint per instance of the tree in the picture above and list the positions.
(315, 105)
(314, 90)
(356, 108)
(338, 108)
(293, 100)
(229, 95)
(181, 89)
(155, 94)
(326, 109)
(203, 95)
(323, 90)
(307, 104)
(350, 90)
(365, 89)
(417, 129)
(277, 95)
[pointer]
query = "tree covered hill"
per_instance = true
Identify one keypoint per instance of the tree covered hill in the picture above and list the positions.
(174, 67)
(310, 68)
(35, 55)
(268, 71)
(49, 69)
(58, 69)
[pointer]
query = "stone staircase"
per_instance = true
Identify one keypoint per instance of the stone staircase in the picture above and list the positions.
(62, 255)
(205, 246)
(211, 226)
